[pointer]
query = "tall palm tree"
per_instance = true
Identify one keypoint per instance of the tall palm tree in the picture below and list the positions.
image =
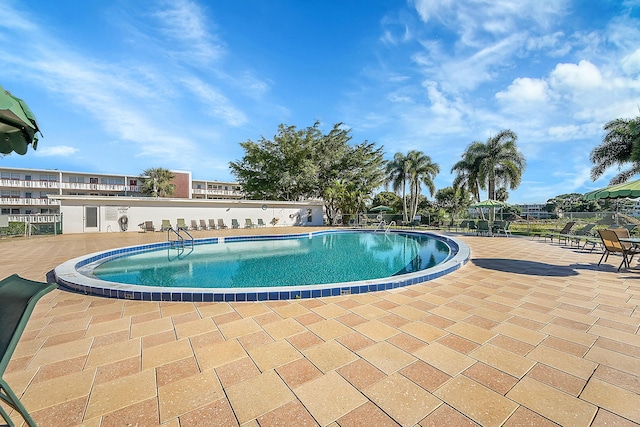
(496, 162)
(157, 182)
(467, 171)
(396, 171)
(620, 146)
(420, 170)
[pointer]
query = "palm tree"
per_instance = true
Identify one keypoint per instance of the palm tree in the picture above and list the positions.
(467, 171)
(620, 145)
(496, 162)
(157, 182)
(420, 170)
(397, 175)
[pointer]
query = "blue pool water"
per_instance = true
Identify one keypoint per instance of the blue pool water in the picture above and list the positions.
(261, 268)
(327, 258)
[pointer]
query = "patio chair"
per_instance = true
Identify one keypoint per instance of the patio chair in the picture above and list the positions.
(194, 225)
(222, 225)
(165, 225)
(18, 298)
(203, 225)
(212, 224)
(234, 223)
(261, 223)
(502, 227)
(579, 235)
(483, 228)
(472, 226)
(248, 223)
(181, 225)
(148, 226)
(565, 230)
(612, 244)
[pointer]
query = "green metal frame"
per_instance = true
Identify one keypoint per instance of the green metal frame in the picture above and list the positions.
(18, 297)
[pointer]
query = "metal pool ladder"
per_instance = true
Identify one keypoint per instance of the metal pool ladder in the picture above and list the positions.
(179, 237)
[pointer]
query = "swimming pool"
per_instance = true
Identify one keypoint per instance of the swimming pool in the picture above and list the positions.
(258, 268)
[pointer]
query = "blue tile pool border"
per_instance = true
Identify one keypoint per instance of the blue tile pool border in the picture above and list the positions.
(70, 278)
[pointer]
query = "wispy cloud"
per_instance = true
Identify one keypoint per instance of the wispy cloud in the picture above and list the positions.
(55, 151)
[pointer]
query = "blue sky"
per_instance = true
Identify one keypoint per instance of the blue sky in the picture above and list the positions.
(120, 86)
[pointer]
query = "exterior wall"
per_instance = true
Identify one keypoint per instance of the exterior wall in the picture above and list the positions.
(182, 181)
(137, 210)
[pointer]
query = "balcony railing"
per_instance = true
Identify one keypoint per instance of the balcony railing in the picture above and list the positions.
(217, 192)
(100, 187)
(16, 201)
(19, 183)
(35, 218)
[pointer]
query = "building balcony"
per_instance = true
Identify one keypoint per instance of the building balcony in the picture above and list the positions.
(22, 201)
(217, 192)
(100, 187)
(19, 183)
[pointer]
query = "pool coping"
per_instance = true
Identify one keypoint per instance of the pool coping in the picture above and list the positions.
(69, 278)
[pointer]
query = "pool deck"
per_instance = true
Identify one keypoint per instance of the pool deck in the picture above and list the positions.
(527, 333)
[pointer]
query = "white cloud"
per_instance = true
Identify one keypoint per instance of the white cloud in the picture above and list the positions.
(55, 151)
(525, 90)
(582, 76)
(217, 104)
(631, 63)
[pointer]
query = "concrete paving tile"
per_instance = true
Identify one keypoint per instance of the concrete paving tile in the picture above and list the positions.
(151, 327)
(605, 418)
(386, 357)
(459, 344)
(60, 352)
(329, 311)
(291, 413)
(520, 333)
(108, 327)
(582, 338)
(194, 327)
(329, 356)
(110, 353)
(249, 309)
(120, 393)
(216, 414)
(404, 401)
(65, 414)
(238, 328)
(425, 375)
(619, 378)
(274, 354)
(471, 332)
(614, 359)
(143, 413)
(615, 335)
(284, 328)
(565, 346)
(305, 340)
(367, 415)
(482, 405)
(490, 377)
(369, 312)
(350, 319)
(259, 395)
(61, 368)
(405, 342)
(329, 329)
(408, 312)
(423, 331)
(298, 372)
(394, 320)
(562, 361)
(119, 369)
(287, 311)
(237, 371)
(445, 415)
(112, 338)
(504, 360)
(338, 397)
(166, 353)
(257, 339)
(176, 371)
(552, 403)
(443, 358)
(376, 330)
(181, 397)
(558, 379)
(218, 354)
(526, 417)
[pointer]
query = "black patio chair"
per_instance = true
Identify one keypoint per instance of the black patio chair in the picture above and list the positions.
(18, 297)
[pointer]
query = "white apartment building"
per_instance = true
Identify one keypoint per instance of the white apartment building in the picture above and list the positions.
(27, 191)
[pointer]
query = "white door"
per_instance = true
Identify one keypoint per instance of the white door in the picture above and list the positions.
(91, 218)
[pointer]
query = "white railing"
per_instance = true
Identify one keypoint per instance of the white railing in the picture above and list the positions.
(36, 218)
(19, 183)
(100, 187)
(28, 201)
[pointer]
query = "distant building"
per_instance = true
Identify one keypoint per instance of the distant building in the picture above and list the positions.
(535, 210)
(26, 191)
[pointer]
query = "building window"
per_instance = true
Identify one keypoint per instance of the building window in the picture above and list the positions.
(93, 180)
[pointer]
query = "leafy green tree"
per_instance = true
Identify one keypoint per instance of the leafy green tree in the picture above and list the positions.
(387, 198)
(302, 164)
(467, 173)
(453, 200)
(620, 146)
(397, 176)
(157, 182)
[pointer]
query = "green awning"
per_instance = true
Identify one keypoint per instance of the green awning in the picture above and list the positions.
(18, 126)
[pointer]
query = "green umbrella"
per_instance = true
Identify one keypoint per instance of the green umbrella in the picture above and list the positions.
(18, 126)
(625, 190)
(381, 208)
(489, 204)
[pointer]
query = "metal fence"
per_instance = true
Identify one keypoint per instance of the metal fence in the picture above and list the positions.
(30, 225)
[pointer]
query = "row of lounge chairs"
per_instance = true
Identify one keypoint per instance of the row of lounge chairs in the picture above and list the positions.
(211, 224)
(482, 227)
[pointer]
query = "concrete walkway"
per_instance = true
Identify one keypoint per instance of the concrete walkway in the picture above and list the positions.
(527, 333)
